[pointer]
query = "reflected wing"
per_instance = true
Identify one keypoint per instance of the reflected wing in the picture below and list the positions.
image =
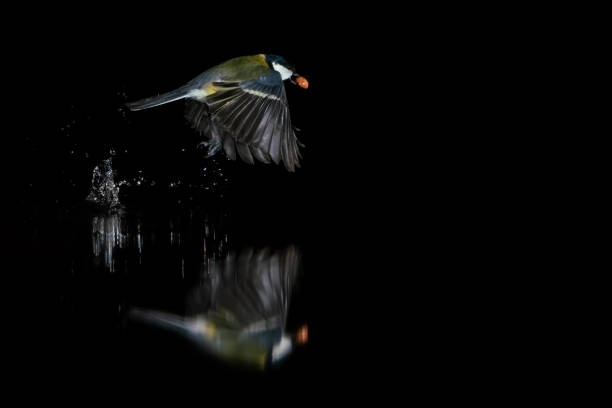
(250, 290)
(254, 116)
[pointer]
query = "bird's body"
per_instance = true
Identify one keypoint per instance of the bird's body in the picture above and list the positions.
(236, 69)
(240, 105)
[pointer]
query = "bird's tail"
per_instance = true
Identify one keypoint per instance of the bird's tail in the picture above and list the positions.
(147, 103)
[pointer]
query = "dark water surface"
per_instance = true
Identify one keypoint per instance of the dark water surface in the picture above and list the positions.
(100, 264)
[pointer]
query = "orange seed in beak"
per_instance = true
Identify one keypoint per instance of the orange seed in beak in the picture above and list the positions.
(302, 335)
(302, 82)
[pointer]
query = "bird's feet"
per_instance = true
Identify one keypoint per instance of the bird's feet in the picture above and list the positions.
(213, 147)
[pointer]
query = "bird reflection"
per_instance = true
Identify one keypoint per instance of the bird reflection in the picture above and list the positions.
(239, 311)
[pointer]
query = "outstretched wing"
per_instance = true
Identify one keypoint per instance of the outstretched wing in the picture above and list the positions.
(254, 117)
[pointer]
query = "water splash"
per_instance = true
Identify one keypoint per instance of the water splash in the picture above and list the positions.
(104, 189)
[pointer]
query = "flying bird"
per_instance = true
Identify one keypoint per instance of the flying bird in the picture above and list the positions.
(241, 105)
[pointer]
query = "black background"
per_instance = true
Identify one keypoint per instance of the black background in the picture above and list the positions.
(81, 67)
(379, 207)
(415, 206)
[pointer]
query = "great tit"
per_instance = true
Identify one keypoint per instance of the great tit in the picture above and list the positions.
(238, 313)
(241, 105)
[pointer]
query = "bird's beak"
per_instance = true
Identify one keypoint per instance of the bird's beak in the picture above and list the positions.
(299, 81)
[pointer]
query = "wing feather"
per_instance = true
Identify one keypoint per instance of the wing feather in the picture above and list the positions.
(244, 152)
(255, 114)
(229, 147)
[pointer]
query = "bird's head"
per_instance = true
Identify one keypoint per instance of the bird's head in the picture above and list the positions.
(286, 70)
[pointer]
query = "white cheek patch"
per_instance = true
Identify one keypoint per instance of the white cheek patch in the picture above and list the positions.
(281, 349)
(285, 73)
